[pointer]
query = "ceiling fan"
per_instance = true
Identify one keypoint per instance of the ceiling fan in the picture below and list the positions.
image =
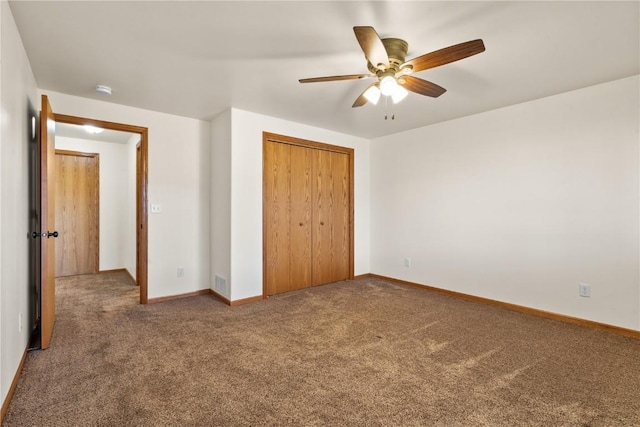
(386, 62)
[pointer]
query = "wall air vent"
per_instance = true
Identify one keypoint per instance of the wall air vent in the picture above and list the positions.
(220, 286)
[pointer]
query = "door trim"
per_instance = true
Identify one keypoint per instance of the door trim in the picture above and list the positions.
(142, 243)
(283, 139)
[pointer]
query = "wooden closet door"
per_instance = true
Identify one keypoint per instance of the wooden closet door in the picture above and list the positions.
(300, 225)
(307, 213)
(330, 217)
(340, 217)
(288, 217)
(277, 189)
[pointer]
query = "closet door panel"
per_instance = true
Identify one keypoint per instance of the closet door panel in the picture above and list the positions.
(277, 194)
(339, 217)
(300, 226)
(322, 217)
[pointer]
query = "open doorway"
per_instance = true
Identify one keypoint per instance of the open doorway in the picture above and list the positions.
(121, 243)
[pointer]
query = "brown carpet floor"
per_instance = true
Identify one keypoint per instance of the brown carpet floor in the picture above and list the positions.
(359, 353)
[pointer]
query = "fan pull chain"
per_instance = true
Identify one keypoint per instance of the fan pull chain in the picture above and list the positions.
(386, 98)
(386, 103)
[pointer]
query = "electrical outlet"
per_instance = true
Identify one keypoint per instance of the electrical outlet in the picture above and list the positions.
(585, 290)
(180, 271)
(407, 262)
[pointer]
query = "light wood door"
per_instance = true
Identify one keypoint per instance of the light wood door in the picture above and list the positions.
(47, 217)
(307, 215)
(288, 239)
(331, 217)
(276, 217)
(77, 195)
(300, 237)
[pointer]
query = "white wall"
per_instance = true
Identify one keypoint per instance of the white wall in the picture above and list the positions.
(221, 200)
(18, 92)
(178, 180)
(246, 194)
(116, 207)
(519, 204)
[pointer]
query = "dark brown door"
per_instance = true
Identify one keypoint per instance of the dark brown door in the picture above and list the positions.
(77, 213)
(47, 216)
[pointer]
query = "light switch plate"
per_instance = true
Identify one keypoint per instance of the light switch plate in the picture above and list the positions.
(156, 208)
(585, 290)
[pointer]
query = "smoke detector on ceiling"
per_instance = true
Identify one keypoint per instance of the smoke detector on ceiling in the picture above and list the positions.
(103, 90)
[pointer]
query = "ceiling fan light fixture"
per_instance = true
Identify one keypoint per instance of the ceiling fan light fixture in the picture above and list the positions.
(388, 84)
(372, 94)
(399, 93)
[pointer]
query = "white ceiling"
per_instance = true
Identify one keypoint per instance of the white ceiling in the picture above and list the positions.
(197, 59)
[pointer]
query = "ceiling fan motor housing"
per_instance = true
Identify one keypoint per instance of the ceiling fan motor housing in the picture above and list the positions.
(396, 51)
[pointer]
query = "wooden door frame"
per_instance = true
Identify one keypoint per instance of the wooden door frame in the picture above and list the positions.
(142, 233)
(139, 206)
(350, 152)
(96, 242)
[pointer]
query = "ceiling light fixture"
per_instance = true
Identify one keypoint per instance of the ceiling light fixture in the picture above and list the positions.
(103, 90)
(399, 93)
(372, 94)
(388, 84)
(93, 129)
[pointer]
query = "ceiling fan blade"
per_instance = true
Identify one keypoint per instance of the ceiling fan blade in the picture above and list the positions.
(335, 78)
(423, 87)
(361, 100)
(372, 46)
(446, 55)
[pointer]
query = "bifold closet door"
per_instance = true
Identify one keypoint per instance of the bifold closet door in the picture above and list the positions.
(300, 222)
(330, 217)
(306, 216)
(287, 198)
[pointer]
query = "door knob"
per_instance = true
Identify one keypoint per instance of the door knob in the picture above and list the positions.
(321, 223)
(301, 224)
(47, 234)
